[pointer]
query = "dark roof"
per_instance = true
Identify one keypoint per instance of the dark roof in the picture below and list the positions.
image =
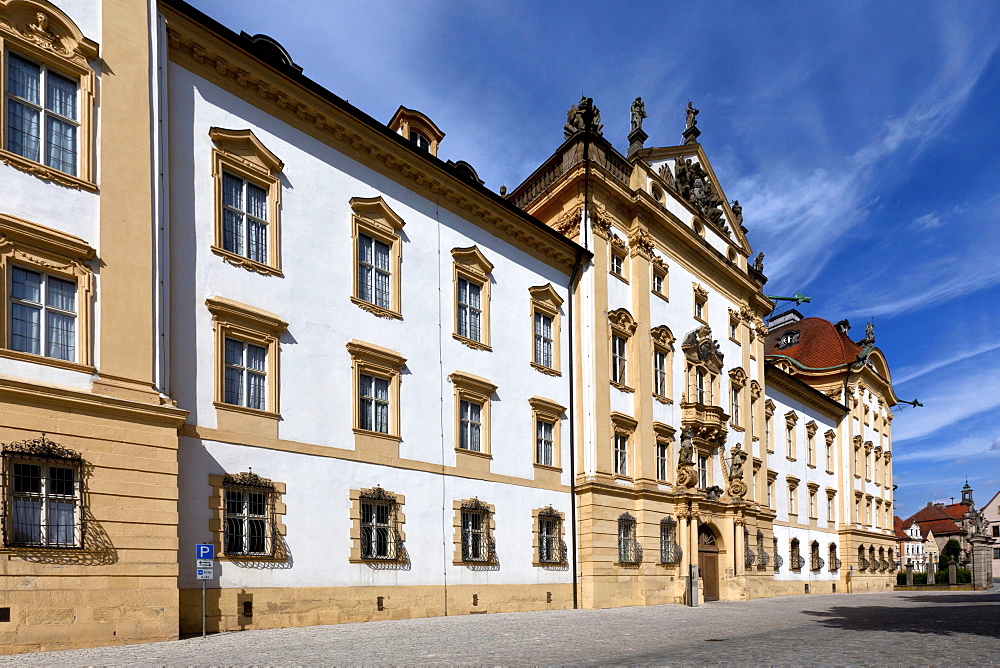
(820, 344)
(934, 518)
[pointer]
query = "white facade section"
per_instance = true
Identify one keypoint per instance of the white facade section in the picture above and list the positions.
(313, 295)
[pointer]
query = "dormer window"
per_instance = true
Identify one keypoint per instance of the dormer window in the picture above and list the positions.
(789, 338)
(421, 141)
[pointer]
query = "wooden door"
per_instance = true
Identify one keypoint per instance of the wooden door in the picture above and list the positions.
(708, 563)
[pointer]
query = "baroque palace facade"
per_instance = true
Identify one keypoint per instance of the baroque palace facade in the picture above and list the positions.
(246, 313)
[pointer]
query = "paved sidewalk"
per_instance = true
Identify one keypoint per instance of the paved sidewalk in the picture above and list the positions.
(904, 628)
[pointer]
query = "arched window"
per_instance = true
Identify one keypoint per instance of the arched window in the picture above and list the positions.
(834, 561)
(763, 558)
(862, 562)
(816, 561)
(796, 562)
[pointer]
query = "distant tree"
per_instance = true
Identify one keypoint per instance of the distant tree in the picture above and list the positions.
(951, 552)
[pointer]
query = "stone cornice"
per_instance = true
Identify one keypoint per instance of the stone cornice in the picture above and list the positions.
(210, 55)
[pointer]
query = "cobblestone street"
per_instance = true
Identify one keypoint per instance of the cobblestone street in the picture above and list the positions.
(905, 628)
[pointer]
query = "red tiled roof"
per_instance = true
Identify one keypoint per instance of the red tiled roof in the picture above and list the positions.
(820, 344)
(956, 510)
(934, 518)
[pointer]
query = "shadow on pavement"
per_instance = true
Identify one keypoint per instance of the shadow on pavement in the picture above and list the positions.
(940, 615)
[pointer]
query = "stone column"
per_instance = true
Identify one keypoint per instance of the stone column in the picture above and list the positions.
(952, 573)
(909, 574)
(982, 563)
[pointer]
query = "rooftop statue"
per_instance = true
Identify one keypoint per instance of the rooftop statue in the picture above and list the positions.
(583, 116)
(691, 113)
(638, 113)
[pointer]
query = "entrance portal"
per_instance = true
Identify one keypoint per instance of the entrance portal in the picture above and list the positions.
(708, 562)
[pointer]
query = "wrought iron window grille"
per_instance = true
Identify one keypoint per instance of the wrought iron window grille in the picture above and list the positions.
(477, 540)
(817, 563)
(862, 564)
(749, 557)
(835, 564)
(551, 547)
(670, 550)
(629, 549)
(380, 536)
(779, 561)
(42, 491)
(795, 559)
(763, 559)
(248, 515)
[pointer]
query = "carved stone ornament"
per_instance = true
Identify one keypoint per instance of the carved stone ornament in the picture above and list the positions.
(247, 479)
(658, 262)
(714, 493)
(738, 377)
(737, 489)
(41, 448)
(641, 243)
(692, 183)
(700, 347)
(475, 504)
(739, 458)
(569, 223)
(662, 337)
(667, 175)
(618, 244)
(638, 113)
(583, 116)
(758, 263)
(622, 322)
(699, 291)
(755, 390)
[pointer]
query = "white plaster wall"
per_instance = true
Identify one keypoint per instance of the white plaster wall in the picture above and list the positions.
(318, 521)
(86, 14)
(314, 294)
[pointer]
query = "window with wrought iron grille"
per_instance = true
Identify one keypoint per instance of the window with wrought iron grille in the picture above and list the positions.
(763, 558)
(796, 561)
(477, 537)
(43, 314)
(551, 549)
(249, 520)
(379, 533)
(246, 374)
(670, 549)
(629, 550)
(42, 495)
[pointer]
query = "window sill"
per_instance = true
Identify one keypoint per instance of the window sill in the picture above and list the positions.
(736, 341)
(472, 343)
(735, 427)
(46, 173)
(548, 371)
(376, 310)
(547, 467)
(662, 399)
(484, 455)
(619, 277)
(222, 406)
(374, 560)
(550, 564)
(661, 295)
(622, 388)
(812, 466)
(701, 320)
(250, 265)
(47, 361)
(376, 434)
(791, 459)
(618, 477)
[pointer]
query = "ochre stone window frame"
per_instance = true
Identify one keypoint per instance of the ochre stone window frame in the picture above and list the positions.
(378, 362)
(546, 410)
(378, 495)
(471, 265)
(537, 515)
(623, 425)
(663, 343)
(664, 437)
(737, 381)
(48, 251)
(479, 391)
(791, 447)
(769, 408)
(489, 529)
(217, 515)
(621, 324)
(235, 320)
(41, 32)
(373, 217)
(811, 429)
(700, 297)
(617, 248)
(546, 301)
(662, 270)
(241, 153)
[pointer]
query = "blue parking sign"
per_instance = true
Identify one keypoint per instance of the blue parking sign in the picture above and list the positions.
(204, 551)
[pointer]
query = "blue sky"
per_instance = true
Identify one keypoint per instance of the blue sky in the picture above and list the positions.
(861, 139)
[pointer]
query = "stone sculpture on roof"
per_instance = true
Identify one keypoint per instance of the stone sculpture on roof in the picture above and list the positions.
(583, 116)
(638, 113)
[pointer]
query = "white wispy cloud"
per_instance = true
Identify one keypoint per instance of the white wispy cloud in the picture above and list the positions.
(909, 373)
(928, 221)
(973, 446)
(950, 400)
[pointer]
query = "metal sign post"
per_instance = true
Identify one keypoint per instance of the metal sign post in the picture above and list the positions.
(204, 561)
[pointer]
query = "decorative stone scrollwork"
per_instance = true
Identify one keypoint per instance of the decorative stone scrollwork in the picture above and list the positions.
(247, 479)
(641, 243)
(700, 347)
(41, 448)
(621, 322)
(378, 494)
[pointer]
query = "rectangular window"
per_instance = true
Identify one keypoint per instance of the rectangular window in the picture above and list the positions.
(544, 442)
(829, 456)
(378, 536)
(659, 373)
(703, 471)
(629, 551)
(770, 494)
(617, 264)
(996, 530)
(244, 218)
(812, 504)
(621, 454)
(735, 417)
(699, 308)
(42, 115)
(470, 426)
(42, 314)
(790, 442)
(248, 521)
(700, 385)
(657, 282)
(474, 536)
(830, 516)
(373, 271)
(662, 460)
(470, 313)
(767, 432)
(246, 374)
(543, 340)
(373, 402)
(810, 450)
(792, 505)
(618, 359)
(549, 551)
(44, 506)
